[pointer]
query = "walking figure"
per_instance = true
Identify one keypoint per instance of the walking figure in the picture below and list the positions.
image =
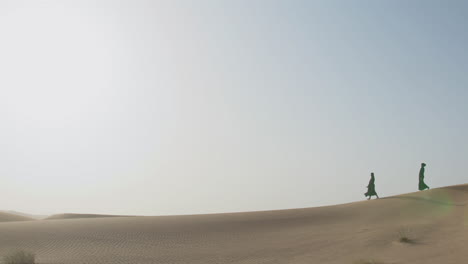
(371, 188)
(422, 185)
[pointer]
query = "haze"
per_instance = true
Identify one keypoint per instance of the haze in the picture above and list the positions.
(185, 107)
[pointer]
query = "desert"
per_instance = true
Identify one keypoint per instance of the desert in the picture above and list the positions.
(422, 227)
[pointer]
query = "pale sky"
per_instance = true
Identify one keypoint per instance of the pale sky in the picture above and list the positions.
(186, 107)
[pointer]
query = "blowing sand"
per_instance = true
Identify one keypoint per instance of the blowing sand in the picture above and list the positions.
(435, 221)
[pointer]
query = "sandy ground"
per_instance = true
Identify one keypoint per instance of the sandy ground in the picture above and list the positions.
(9, 217)
(77, 216)
(436, 221)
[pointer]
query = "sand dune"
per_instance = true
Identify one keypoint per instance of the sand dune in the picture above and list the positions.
(77, 216)
(25, 214)
(10, 217)
(436, 221)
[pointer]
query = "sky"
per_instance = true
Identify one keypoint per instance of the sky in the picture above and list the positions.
(189, 107)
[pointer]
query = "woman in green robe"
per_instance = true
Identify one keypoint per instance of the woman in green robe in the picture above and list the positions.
(422, 184)
(371, 188)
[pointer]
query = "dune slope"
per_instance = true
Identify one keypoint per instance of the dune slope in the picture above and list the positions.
(9, 217)
(77, 216)
(435, 221)
(29, 216)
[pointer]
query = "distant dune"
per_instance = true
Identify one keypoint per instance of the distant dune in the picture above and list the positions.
(9, 217)
(77, 216)
(25, 214)
(435, 223)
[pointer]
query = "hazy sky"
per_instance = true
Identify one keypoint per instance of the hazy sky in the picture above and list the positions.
(180, 107)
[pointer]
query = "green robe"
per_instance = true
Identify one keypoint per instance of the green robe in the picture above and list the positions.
(422, 185)
(371, 188)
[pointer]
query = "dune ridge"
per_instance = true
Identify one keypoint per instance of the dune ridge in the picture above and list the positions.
(10, 217)
(78, 216)
(435, 222)
(37, 217)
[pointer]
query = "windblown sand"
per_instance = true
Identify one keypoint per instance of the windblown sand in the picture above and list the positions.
(435, 221)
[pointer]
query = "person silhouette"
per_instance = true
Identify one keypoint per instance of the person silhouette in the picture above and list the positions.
(422, 185)
(371, 188)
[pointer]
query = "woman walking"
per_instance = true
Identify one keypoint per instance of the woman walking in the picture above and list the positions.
(422, 184)
(371, 188)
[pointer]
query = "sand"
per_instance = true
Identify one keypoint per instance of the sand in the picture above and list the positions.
(9, 217)
(435, 221)
(77, 216)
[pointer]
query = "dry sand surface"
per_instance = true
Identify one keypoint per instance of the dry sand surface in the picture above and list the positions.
(77, 216)
(8, 217)
(436, 221)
